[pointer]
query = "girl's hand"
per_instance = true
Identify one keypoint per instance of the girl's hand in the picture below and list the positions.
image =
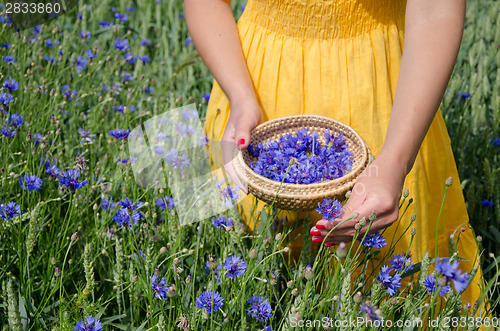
(244, 116)
(378, 190)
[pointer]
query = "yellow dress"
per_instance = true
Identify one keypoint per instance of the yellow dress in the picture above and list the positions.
(341, 58)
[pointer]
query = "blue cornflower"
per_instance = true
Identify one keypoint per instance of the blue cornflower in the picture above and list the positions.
(147, 89)
(259, 308)
(81, 64)
(464, 95)
(487, 203)
(235, 266)
(121, 45)
(120, 134)
(449, 270)
(371, 312)
(268, 328)
(127, 77)
(130, 9)
(30, 182)
(129, 204)
(53, 171)
(69, 178)
(205, 97)
(188, 41)
(85, 34)
(93, 324)
(145, 59)
(159, 288)
(69, 94)
(11, 84)
(90, 54)
(119, 108)
(495, 142)
(5, 45)
(430, 284)
(37, 29)
(221, 222)
(86, 136)
(181, 15)
(49, 43)
(6, 98)
(121, 17)
(374, 240)
(228, 193)
(108, 204)
(401, 263)
(210, 301)
(9, 59)
(330, 209)
(16, 120)
(105, 24)
(6, 132)
(123, 218)
(164, 203)
(129, 58)
(10, 210)
(49, 59)
(390, 283)
(172, 157)
(145, 42)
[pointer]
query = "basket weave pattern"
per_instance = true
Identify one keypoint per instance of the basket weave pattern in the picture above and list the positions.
(300, 196)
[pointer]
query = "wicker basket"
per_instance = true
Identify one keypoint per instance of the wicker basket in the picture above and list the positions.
(299, 196)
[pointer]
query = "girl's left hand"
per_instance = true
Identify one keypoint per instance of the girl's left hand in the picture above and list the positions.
(378, 190)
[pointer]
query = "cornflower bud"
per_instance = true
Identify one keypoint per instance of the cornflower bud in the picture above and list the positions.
(74, 236)
(479, 239)
(413, 231)
(278, 237)
(289, 284)
(347, 194)
(341, 250)
(70, 261)
(211, 263)
(413, 218)
(57, 272)
(442, 281)
(172, 291)
(179, 270)
(357, 226)
(273, 279)
(286, 249)
(362, 221)
(308, 273)
(176, 260)
(163, 250)
(406, 193)
(28, 137)
(372, 217)
(252, 254)
(53, 261)
(449, 181)
(188, 279)
(355, 215)
(335, 297)
(295, 292)
(358, 297)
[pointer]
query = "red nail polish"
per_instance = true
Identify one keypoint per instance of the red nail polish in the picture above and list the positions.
(317, 240)
(328, 244)
(315, 233)
(241, 141)
(319, 226)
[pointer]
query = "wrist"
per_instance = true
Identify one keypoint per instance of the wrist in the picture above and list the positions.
(399, 164)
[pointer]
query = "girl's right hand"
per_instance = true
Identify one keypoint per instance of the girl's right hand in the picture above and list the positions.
(244, 116)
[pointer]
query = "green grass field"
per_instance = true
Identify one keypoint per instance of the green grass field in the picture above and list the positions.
(63, 254)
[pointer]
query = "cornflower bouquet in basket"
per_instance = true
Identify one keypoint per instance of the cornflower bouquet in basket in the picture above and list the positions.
(313, 161)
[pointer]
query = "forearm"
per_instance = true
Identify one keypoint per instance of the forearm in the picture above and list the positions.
(433, 32)
(213, 30)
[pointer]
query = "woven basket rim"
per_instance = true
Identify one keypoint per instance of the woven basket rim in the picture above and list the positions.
(345, 180)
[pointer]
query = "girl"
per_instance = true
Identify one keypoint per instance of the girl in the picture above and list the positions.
(344, 59)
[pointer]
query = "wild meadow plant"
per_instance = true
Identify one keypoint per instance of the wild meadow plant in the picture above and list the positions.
(85, 247)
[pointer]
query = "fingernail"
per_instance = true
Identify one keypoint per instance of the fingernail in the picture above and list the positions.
(319, 226)
(317, 240)
(315, 233)
(241, 141)
(328, 244)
